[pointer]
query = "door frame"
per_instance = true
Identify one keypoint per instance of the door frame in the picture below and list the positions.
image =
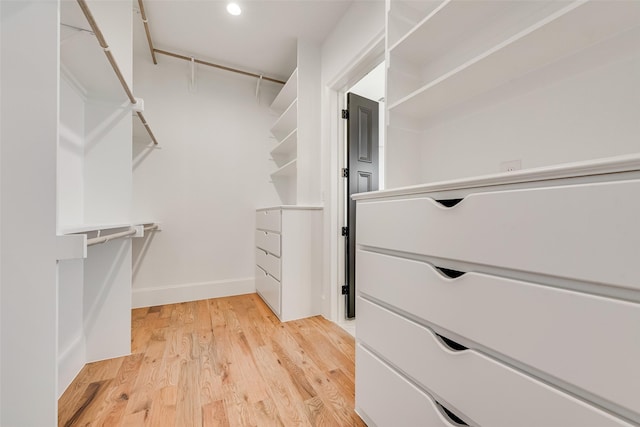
(370, 57)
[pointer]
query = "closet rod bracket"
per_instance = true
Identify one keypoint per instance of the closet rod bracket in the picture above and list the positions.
(138, 106)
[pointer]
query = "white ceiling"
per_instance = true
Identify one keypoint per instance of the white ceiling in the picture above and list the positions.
(261, 40)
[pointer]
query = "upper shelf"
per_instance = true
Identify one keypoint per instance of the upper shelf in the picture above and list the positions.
(566, 31)
(405, 15)
(286, 123)
(82, 60)
(85, 228)
(288, 93)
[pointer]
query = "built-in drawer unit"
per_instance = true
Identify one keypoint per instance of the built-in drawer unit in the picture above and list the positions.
(509, 302)
(268, 262)
(584, 226)
(564, 333)
(269, 241)
(411, 406)
(488, 392)
(288, 259)
(269, 220)
(269, 289)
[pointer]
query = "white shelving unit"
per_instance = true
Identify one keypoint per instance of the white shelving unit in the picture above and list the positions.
(453, 59)
(579, 25)
(94, 187)
(296, 130)
(285, 130)
(474, 87)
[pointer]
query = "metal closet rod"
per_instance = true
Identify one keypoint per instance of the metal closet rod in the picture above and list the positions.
(105, 47)
(222, 67)
(153, 50)
(104, 239)
(146, 30)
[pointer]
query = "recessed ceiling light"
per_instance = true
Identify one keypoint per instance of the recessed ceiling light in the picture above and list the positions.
(234, 9)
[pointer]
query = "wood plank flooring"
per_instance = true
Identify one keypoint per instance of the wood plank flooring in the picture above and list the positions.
(219, 362)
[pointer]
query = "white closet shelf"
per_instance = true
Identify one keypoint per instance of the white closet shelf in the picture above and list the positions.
(287, 122)
(576, 26)
(86, 228)
(288, 146)
(405, 15)
(628, 163)
(288, 170)
(287, 94)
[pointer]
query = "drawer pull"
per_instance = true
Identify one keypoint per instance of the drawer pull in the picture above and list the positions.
(451, 344)
(451, 274)
(453, 418)
(449, 203)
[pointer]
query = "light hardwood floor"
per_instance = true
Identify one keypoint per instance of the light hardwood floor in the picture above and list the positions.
(219, 362)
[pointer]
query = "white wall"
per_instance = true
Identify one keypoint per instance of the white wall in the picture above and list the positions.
(70, 187)
(593, 114)
(95, 187)
(29, 131)
(347, 47)
(203, 184)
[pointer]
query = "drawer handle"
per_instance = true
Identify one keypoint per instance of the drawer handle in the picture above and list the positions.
(451, 344)
(449, 203)
(453, 418)
(451, 274)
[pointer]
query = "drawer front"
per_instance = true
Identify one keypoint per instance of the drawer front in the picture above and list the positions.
(388, 399)
(588, 341)
(268, 262)
(567, 232)
(488, 392)
(269, 289)
(268, 241)
(269, 220)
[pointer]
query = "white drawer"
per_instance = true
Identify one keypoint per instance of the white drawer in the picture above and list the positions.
(269, 289)
(586, 232)
(268, 262)
(488, 392)
(268, 241)
(589, 341)
(388, 399)
(269, 220)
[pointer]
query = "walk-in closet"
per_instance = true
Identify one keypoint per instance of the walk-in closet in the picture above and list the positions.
(319, 213)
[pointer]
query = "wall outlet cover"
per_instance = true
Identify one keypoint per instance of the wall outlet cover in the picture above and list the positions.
(511, 165)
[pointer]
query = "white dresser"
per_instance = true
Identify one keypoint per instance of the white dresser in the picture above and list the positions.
(505, 300)
(288, 259)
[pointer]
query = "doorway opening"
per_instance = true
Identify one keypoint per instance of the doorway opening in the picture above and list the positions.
(362, 168)
(363, 149)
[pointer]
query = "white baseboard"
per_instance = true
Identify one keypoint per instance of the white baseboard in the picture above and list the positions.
(148, 297)
(70, 361)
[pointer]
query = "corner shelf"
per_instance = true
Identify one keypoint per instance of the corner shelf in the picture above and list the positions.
(287, 122)
(287, 148)
(286, 171)
(579, 25)
(287, 95)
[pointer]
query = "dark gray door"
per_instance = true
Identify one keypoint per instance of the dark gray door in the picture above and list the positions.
(362, 163)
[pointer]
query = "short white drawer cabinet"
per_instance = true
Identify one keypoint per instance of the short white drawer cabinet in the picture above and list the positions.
(515, 303)
(288, 259)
